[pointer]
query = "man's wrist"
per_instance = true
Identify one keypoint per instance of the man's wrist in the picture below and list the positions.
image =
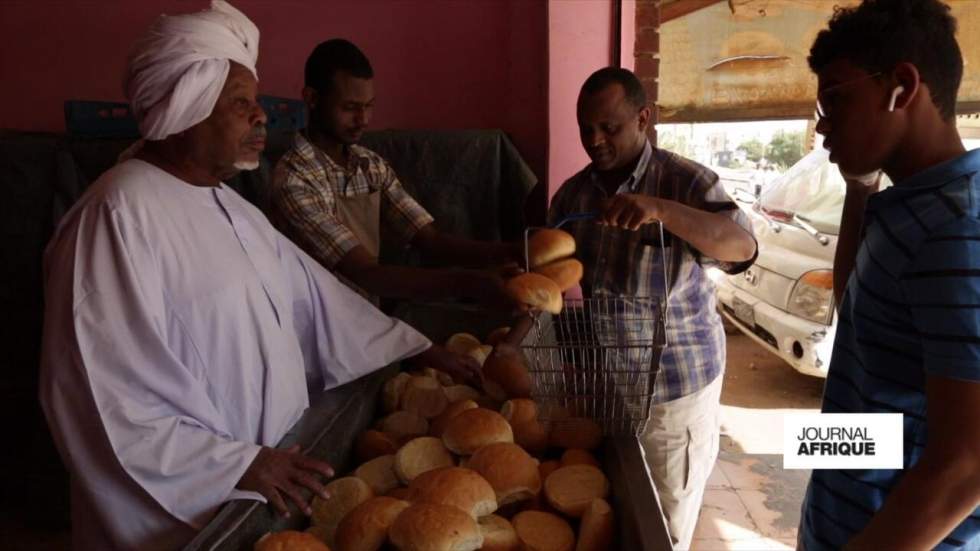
(855, 187)
(661, 210)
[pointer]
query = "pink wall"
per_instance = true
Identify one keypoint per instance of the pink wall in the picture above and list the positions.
(627, 35)
(438, 63)
(580, 41)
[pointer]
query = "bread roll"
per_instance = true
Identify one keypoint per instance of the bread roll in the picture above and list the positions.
(596, 531)
(537, 503)
(495, 336)
(456, 486)
(480, 353)
(475, 428)
(498, 534)
(510, 509)
(461, 343)
(571, 489)
(391, 393)
(566, 273)
(401, 492)
(519, 410)
(548, 467)
(366, 527)
(290, 540)
(424, 396)
(322, 533)
(495, 394)
(486, 401)
(506, 367)
(445, 379)
(511, 472)
(551, 411)
(434, 527)
(379, 474)
(438, 425)
(532, 436)
(576, 456)
(421, 455)
(373, 443)
(541, 531)
(456, 393)
(345, 494)
(537, 291)
(404, 425)
(576, 432)
(545, 246)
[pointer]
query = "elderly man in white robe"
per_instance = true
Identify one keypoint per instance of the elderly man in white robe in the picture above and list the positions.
(181, 329)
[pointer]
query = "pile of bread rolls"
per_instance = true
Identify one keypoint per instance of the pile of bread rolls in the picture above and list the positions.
(450, 468)
(553, 271)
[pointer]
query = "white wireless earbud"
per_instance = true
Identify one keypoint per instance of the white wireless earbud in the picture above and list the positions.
(898, 90)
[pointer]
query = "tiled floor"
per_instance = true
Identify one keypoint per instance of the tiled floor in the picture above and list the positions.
(751, 502)
(744, 509)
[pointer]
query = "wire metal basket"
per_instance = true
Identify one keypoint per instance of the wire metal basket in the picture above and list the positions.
(598, 359)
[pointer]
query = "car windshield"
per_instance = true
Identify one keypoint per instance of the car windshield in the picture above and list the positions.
(812, 190)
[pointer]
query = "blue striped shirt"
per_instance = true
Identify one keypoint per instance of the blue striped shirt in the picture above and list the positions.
(911, 309)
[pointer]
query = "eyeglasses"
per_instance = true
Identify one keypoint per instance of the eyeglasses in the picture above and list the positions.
(823, 100)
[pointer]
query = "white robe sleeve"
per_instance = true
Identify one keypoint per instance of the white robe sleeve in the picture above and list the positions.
(343, 336)
(162, 427)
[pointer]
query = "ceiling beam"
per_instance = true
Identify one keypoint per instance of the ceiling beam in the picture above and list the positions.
(680, 8)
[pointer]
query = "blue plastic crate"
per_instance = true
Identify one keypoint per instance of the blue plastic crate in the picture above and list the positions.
(109, 119)
(100, 119)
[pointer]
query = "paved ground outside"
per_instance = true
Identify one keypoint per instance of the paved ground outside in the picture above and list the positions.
(751, 503)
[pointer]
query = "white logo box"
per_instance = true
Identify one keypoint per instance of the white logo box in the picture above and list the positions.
(884, 430)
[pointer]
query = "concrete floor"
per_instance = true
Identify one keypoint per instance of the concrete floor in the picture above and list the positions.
(751, 503)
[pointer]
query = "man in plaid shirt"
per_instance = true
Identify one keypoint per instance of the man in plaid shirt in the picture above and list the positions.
(330, 196)
(630, 183)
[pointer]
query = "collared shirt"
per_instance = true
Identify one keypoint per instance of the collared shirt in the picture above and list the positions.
(632, 263)
(306, 183)
(911, 309)
(181, 333)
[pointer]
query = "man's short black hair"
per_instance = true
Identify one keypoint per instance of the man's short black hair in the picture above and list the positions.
(879, 34)
(602, 78)
(333, 56)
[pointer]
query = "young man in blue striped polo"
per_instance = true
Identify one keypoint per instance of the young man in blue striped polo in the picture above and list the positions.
(908, 338)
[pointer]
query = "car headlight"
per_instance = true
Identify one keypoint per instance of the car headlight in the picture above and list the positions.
(813, 296)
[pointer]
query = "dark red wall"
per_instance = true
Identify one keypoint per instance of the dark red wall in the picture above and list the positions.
(438, 63)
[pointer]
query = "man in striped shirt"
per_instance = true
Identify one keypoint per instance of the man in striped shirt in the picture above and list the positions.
(331, 196)
(908, 337)
(631, 184)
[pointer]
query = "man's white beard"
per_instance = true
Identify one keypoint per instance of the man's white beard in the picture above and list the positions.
(247, 165)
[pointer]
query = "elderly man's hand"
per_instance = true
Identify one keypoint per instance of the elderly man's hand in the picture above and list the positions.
(460, 367)
(277, 474)
(630, 211)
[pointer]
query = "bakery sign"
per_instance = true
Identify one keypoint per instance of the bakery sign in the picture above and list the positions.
(843, 441)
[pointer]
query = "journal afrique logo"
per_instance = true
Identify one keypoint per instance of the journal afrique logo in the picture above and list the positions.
(843, 441)
(835, 441)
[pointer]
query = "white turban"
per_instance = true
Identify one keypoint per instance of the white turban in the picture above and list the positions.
(176, 72)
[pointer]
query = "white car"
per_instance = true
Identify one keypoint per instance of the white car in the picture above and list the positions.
(785, 301)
